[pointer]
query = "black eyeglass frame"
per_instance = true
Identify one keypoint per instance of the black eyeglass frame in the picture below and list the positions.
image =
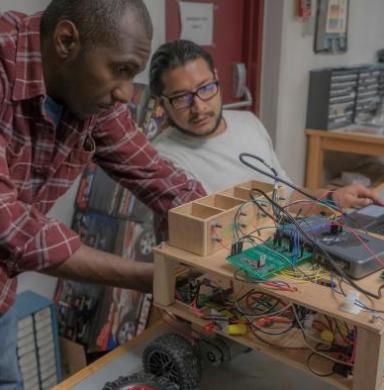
(192, 94)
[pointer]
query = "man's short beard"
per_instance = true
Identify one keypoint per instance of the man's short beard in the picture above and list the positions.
(191, 133)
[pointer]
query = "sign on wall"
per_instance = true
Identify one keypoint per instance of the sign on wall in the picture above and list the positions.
(197, 22)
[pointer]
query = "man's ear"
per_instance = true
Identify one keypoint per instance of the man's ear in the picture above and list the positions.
(66, 40)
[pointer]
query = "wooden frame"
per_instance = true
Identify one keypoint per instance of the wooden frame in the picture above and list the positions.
(369, 357)
(195, 226)
(320, 141)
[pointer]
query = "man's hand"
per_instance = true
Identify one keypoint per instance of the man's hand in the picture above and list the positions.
(356, 195)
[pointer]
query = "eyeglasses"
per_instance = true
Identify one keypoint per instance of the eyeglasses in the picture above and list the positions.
(185, 100)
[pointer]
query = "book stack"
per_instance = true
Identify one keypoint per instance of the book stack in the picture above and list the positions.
(37, 341)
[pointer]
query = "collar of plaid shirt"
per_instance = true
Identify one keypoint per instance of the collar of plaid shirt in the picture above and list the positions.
(29, 82)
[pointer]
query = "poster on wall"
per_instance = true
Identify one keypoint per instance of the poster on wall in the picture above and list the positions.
(331, 26)
(197, 22)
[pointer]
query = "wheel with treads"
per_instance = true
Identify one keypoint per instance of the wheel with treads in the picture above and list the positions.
(174, 357)
(141, 381)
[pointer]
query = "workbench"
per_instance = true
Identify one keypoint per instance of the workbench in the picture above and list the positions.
(320, 141)
(369, 358)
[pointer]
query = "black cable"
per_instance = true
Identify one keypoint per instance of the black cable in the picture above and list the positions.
(276, 177)
(246, 294)
(254, 200)
(269, 311)
(236, 219)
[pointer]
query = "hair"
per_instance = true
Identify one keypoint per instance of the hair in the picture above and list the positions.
(96, 20)
(171, 55)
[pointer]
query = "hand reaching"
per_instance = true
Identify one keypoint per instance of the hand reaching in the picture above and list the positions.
(356, 195)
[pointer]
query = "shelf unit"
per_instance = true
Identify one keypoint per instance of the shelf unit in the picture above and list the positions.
(200, 226)
(170, 261)
(339, 96)
(37, 341)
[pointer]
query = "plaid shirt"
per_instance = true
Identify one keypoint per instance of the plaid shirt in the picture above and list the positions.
(39, 162)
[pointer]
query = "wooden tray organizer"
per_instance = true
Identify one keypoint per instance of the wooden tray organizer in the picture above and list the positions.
(202, 226)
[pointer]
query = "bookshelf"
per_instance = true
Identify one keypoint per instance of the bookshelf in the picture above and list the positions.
(37, 341)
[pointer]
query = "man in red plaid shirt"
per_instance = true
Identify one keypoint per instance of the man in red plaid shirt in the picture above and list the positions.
(65, 78)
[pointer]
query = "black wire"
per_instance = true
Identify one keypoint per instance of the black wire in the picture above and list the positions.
(237, 222)
(246, 294)
(332, 263)
(277, 301)
(276, 177)
(269, 310)
(254, 200)
(252, 237)
(302, 313)
(197, 293)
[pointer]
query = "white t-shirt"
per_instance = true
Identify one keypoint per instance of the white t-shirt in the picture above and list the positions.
(215, 161)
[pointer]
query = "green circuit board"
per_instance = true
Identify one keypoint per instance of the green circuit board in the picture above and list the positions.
(275, 259)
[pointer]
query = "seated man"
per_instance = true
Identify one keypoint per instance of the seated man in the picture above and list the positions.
(206, 141)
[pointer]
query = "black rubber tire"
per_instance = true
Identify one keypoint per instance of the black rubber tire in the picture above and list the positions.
(173, 357)
(140, 380)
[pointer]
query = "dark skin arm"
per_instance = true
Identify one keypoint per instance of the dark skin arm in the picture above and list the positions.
(94, 266)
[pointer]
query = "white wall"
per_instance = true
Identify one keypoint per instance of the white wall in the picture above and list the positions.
(284, 113)
(63, 210)
(26, 6)
(157, 10)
